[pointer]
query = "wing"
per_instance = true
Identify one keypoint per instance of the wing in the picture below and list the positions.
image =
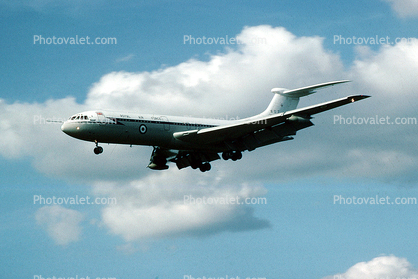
(273, 128)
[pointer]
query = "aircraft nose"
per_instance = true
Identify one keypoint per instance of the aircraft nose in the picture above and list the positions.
(69, 129)
(65, 128)
(76, 130)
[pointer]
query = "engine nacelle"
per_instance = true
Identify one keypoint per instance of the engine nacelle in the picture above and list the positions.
(154, 166)
(299, 122)
(299, 119)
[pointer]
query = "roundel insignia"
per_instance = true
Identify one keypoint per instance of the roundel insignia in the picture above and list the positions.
(142, 129)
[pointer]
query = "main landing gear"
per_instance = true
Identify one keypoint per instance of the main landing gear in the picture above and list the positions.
(197, 163)
(202, 166)
(98, 149)
(233, 155)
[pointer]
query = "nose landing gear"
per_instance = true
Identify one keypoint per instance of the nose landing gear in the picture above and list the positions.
(98, 149)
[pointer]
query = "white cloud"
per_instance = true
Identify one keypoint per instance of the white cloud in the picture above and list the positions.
(61, 224)
(404, 8)
(380, 267)
(25, 130)
(224, 84)
(162, 205)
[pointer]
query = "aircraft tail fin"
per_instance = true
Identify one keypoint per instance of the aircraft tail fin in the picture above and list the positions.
(285, 100)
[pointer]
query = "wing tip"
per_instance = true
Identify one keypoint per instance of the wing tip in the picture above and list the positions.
(356, 98)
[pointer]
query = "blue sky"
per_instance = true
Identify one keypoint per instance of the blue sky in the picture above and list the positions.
(300, 233)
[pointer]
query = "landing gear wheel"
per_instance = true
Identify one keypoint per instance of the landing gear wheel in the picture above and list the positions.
(233, 155)
(98, 150)
(195, 162)
(236, 156)
(225, 156)
(205, 167)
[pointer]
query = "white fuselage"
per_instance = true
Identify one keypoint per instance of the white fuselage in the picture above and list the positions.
(138, 129)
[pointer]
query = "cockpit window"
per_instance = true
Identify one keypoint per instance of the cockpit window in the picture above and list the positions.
(79, 117)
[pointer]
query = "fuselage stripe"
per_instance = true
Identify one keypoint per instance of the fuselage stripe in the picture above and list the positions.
(162, 122)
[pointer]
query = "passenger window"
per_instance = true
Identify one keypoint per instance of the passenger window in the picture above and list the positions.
(85, 117)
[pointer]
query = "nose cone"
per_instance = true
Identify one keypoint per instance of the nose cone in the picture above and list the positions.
(71, 129)
(65, 128)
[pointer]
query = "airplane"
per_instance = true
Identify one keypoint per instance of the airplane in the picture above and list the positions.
(196, 142)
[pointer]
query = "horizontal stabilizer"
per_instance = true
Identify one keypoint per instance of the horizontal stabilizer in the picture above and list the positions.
(304, 91)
